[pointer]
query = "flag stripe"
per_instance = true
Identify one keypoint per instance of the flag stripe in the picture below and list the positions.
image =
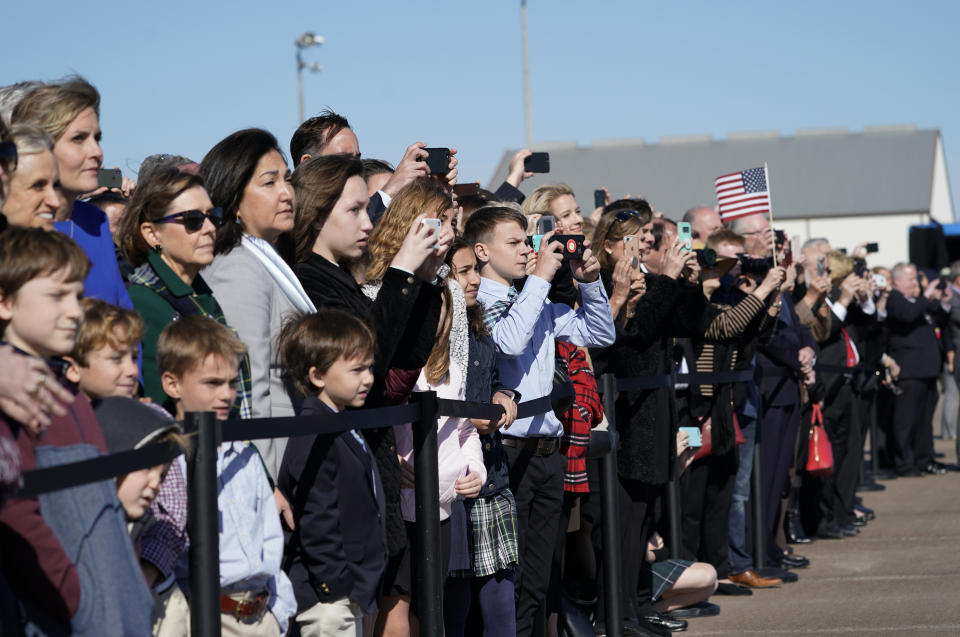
(742, 193)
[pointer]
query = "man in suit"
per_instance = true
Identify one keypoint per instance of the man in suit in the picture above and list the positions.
(913, 344)
(951, 376)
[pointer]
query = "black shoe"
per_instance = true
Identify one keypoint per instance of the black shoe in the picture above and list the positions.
(935, 468)
(909, 473)
(937, 454)
(849, 530)
(630, 629)
(701, 609)
(793, 529)
(858, 522)
(725, 588)
(781, 574)
(662, 622)
(867, 512)
(883, 474)
(828, 531)
(791, 561)
(871, 486)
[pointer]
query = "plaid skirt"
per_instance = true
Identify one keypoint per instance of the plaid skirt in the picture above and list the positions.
(665, 574)
(492, 527)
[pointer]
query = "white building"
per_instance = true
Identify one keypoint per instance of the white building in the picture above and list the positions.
(850, 187)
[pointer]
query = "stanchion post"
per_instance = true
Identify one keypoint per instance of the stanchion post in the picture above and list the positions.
(426, 554)
(756, 499)
(202, 524)
(610, 515)
(673, 493)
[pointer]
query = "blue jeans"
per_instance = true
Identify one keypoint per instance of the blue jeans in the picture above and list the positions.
(740, 557)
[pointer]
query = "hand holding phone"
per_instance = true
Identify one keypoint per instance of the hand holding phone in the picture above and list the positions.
(696, 439)
(537, 163)
(438, 160)
(685, 234)
(109, 178)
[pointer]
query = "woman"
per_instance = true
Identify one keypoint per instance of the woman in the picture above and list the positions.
(168, 236)
(35, 185)
(69, 111)
(331, 228)
(646, 420)
(558, 201)
(461, 465)
(247, 177)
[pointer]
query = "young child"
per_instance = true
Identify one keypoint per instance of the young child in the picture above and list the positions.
(198, 359)
(104, 360)
(337, 553)
(524, 327)
(66, 553)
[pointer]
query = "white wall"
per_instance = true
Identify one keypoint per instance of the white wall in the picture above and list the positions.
(889, 231)
(941, 203)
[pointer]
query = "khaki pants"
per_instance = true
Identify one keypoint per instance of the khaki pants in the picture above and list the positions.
(171, 614)
(341, 617)
(266, 626)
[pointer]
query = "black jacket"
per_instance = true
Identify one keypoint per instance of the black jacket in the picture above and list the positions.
(339, 547)
(912, 339)
(780, 356)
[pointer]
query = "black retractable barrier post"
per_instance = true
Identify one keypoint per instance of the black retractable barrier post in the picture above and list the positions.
(610, 515)
(756, 499)
(202, 524)
(673, 493)
(426, 554)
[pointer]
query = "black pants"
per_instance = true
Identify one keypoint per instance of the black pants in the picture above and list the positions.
(638, 514)
(841, 419)
(913, 423)
(706, 491)
(537, 485)
(778, 444)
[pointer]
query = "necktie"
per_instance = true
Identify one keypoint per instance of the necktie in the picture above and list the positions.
(498, 309)
(851, 353)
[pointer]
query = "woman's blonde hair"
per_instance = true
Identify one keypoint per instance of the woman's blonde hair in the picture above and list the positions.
(840, 266)
(424, 196)
(52, 107)
(540, 199)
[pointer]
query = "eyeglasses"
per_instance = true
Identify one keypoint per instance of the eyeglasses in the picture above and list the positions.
(193, 220)
(8, 155)
(626, 215)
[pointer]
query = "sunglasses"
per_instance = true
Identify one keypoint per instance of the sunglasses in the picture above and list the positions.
(8, 155)
(626, 215)
(193, 220)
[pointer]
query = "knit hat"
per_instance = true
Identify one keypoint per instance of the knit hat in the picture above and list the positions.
(129, 424)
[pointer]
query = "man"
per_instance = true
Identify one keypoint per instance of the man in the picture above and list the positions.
(664, 235)
(703, 220)
(951, 395)
(913, 344)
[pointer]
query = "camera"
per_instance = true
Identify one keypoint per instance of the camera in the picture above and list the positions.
(859, 267)
(706, 257)
(755, 268)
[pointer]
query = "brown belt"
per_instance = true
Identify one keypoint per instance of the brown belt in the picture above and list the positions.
(244, 608)
(535, 446)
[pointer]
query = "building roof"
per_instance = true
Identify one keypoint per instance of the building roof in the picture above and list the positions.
(815, 173)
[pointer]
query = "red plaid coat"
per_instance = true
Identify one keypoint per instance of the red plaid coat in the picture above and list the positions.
(585, 414)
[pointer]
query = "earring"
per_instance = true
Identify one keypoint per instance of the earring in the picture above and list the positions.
(158, 249)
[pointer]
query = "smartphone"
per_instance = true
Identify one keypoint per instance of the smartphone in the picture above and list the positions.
(880, 280)
(599, 198)
(430, 222)
(685, 235)
(110, 177)
(821, 266)
(872, 247)
(467, 190)
(694, 433)
(787, 254)
(631, 248)
(573, 247)
(537, 163)
(438, 160)
(545, 224)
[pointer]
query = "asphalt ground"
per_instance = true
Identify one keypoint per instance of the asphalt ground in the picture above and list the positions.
(900, 576)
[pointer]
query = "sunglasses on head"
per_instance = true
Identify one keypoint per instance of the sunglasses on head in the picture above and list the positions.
(193, 220)
(8, 155)
(626, 215)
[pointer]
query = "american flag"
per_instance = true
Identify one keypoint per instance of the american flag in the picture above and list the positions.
(743, 193)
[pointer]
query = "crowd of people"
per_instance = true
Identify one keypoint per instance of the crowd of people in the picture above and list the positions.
(238, 286)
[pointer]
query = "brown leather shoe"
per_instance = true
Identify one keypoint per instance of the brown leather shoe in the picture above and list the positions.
(751, 579)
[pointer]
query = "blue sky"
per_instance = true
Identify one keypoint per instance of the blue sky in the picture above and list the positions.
(177, 77)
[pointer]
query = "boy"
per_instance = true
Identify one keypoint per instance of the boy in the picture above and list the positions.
(337, 553)
(104, 360)
(197, 359)
(66, 552)
(525, 327)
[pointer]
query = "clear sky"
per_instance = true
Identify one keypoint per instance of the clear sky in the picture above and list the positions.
(178, 76)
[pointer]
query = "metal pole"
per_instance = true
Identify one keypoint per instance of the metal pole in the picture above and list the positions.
(756, 499)
(673, 493)
(202, 524)
(299, 90)
(610, 515)
(426, 550)
(527, 116)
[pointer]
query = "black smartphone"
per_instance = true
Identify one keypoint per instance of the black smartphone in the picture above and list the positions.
(109, 177)
(599, 198)
(537, 163)
(573, 247)
(438, 160)
(872, 247)
(466, 190)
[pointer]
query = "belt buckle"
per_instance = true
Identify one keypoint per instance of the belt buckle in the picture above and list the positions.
(544, 446)
(249, 608)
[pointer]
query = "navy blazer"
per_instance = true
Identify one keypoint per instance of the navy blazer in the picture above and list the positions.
(781, 355)
(913, 340)
(339, 547)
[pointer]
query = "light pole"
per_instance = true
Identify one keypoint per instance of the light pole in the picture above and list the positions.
(306, 40)
(527, 116)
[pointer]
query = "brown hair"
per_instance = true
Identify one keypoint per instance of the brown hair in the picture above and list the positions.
(438, 364)
(317, 185)
(150, 200)
(104, 324)
(31, 253)
(421, 196)
(319, 340)
(52, 107)
(724, 235)
(481, 225)
(475, 313)
(187, 342)
(612, 229)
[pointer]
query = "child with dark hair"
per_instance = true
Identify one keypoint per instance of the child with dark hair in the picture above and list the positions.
(337, 552)
(68, 550)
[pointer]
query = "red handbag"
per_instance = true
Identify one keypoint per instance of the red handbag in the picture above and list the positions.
(820, 454)
(738, 438)
(706, 441)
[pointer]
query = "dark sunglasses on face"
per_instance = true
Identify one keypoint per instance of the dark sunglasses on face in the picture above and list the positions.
(8, 155)
(193, 220)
